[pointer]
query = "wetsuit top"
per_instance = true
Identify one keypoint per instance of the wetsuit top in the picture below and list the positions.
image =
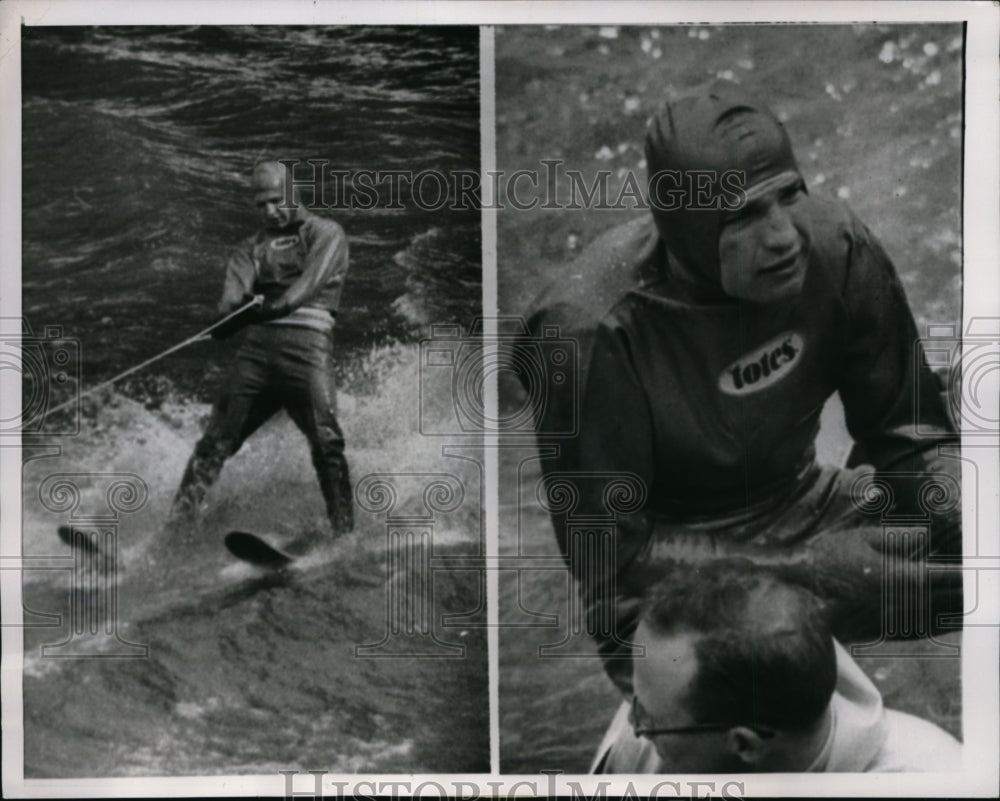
(715, 405)
(303, 265)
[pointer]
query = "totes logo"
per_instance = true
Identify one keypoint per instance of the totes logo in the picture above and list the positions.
(284, 242)
(764, 366)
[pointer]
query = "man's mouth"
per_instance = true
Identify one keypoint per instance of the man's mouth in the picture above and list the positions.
(784, 265)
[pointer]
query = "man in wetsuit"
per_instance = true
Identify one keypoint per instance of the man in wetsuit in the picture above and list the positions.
(709, 336)
(297, 262)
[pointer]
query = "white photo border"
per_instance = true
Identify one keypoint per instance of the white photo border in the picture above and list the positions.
(981, 290)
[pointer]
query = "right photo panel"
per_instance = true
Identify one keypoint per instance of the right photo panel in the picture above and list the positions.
(729, 269)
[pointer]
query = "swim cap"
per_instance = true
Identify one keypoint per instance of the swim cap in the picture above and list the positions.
(268, 176)
(702, 152)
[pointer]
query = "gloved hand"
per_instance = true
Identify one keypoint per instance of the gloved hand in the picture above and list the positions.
(271, 310)
(245, 317)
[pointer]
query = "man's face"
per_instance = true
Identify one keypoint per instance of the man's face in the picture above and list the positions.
(662, 681)
(270, 202)
(764, 245)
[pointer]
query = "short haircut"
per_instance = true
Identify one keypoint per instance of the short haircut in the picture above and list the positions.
(764, 650)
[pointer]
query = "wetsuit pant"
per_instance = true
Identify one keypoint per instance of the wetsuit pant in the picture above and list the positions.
(277, 367)
(882, 553)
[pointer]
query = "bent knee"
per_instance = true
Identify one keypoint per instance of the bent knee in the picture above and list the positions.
(327, 441)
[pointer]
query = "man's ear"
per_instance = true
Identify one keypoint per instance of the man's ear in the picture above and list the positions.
(747, 744)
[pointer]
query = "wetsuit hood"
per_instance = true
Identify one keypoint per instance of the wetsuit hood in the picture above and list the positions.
(702, 153)
(268, 176)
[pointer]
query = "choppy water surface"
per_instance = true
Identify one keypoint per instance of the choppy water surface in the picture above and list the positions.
(137, 144)
(137, 148)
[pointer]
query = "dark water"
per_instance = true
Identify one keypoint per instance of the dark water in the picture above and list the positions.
(136, 147)
(249, 672)
(252, 674)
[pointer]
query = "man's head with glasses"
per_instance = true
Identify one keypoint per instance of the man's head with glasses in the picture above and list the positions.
(738, 673)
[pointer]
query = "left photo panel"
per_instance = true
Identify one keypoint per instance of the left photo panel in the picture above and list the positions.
(252, 484)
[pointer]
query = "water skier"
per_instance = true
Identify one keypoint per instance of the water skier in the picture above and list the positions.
(297, 263)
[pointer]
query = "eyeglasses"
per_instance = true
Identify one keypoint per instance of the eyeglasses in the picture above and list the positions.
(655, 731)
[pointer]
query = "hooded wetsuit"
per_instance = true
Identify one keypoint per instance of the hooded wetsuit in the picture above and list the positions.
(282, 363)
(302, 266)
(712, 404)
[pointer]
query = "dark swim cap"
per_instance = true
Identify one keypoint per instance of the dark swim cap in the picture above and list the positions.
(695, 144)
(268, 175)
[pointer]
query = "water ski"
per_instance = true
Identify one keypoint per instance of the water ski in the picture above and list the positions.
(251, 548)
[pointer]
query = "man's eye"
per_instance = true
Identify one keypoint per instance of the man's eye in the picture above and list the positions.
(743, 216)
(791, 195)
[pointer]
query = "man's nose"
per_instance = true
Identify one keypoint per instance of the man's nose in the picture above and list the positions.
(780, 233)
